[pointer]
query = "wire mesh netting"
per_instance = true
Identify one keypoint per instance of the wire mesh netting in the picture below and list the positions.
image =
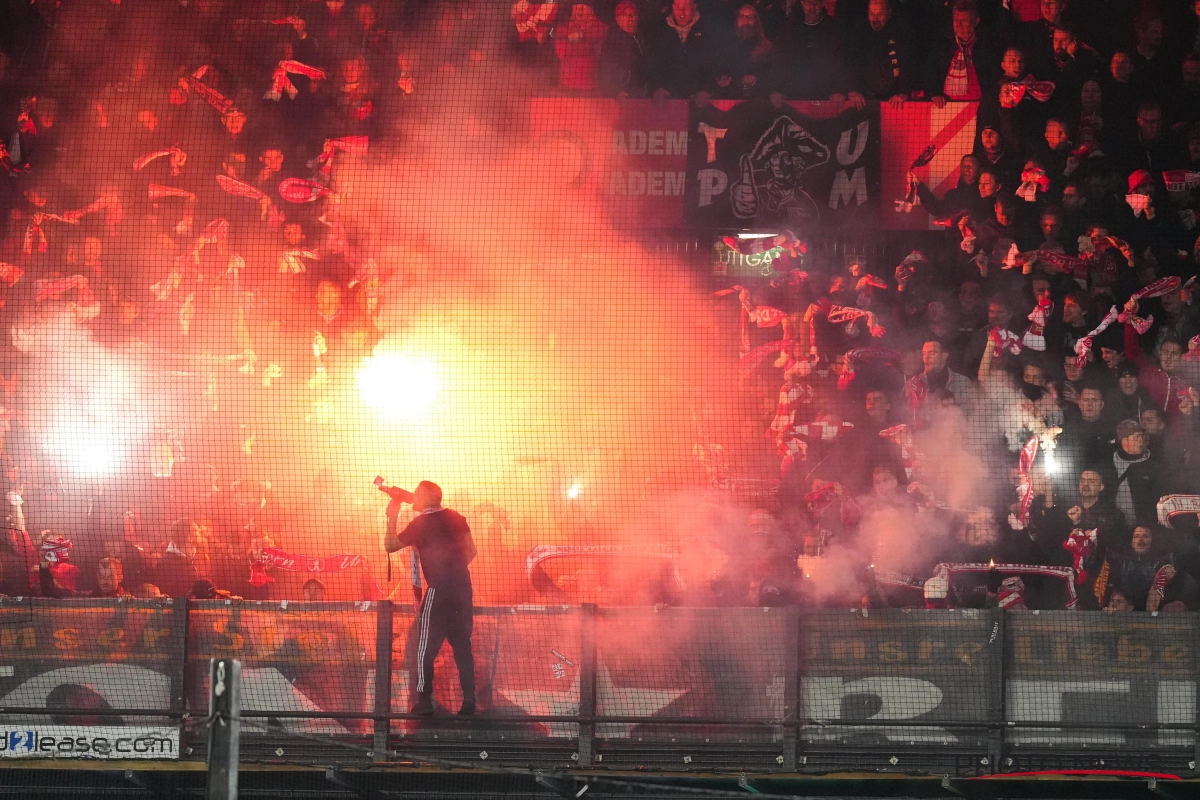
(541, 382)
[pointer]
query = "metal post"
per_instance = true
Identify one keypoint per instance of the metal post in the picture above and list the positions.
(383, 678)
(998, 640)
(587, 684)
(179, 650)
(791, 687)
(1195, 699)
(224, 707)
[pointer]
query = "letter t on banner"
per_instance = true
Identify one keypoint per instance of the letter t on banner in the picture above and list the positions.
(224, 720)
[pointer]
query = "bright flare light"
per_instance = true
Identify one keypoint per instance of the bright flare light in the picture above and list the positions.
(87, 451)
(1051, 464)
(573, 492)
(399, 386)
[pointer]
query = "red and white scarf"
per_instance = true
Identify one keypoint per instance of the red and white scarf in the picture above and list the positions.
(192, 83)
(1004, 340)
(300, 190)
(35, 235)
(1013, 92)
(1025, 484)
(850, 315)
(1181, 180)
(274, 557)
(280, 82)
(763, 316)
(1035, 338)
(1173, 505)
(178, 159)
(1081, 544)
(1084, 345)
(85, 306)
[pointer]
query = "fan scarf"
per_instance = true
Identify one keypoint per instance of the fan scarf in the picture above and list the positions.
(1013, 92)
(1181, 180)
(1081, 544)
(1025, 485)
(1035, 338)
(1173, 505)
(763, 316)
(280, 82)
(1084, 345)
(178, 159)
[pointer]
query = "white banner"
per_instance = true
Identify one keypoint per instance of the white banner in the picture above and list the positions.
(88, 741)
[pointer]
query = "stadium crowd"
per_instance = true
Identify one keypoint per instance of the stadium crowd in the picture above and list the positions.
(1022, 390)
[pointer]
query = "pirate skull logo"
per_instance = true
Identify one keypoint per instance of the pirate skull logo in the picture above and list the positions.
(771, 182)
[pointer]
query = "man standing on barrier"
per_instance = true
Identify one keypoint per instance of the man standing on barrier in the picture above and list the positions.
(442, 540)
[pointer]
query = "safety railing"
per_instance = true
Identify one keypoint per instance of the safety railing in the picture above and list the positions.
(783, 689)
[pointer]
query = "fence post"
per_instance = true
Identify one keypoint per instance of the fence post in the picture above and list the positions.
(587, 684)
(383, 678)
(1196, 697)
(179, 684)
(792, 660)
(225, 708)
(998, 712)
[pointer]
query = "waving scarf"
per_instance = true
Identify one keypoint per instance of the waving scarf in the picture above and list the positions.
(178, 159)
(1084, 345)
(280, 82)
(1013, 92)
(1035, 338)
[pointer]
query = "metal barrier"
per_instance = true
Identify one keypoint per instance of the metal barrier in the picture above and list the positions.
(966, 692)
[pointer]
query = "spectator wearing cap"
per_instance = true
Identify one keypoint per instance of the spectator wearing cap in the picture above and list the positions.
(1128, 398)
(1148, 219)
(623, 55)
(995, 153)
(1131, 474)
(963, 61)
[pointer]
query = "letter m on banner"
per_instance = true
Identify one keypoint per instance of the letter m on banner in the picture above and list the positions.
(911, 130)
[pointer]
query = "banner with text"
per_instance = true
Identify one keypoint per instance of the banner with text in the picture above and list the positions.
(629, 158)
(632, 159)
(804, 167)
